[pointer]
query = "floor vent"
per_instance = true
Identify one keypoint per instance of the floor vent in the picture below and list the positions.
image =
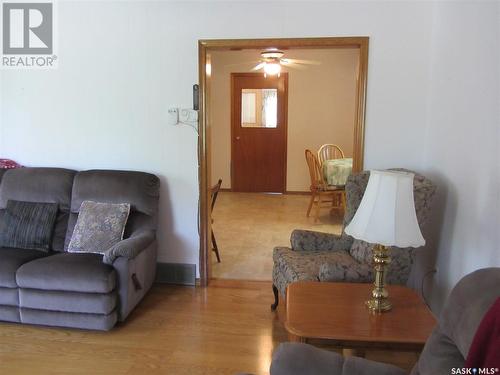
(176, 273)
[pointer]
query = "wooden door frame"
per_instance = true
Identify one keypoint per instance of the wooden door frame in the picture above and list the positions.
(204, 48)
(285, 120)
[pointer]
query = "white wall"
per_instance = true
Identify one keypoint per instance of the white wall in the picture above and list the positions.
(463, 141)
(122, 64)
(321, 107)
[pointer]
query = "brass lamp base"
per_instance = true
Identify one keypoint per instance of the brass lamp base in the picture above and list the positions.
(376, 305)
(379, 301)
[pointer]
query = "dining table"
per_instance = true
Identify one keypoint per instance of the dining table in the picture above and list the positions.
(336, 171)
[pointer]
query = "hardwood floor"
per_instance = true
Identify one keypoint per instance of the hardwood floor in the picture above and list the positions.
(249, 225)
(227, 328)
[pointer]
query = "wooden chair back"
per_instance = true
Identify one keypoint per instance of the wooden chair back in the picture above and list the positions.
(328, 152)
(315, 171)
(214, 191)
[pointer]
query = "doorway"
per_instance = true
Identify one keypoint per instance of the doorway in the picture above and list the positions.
(206, 48)
(258, 132)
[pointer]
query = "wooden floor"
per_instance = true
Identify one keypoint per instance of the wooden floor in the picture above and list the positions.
(224, 329)
(249, 225)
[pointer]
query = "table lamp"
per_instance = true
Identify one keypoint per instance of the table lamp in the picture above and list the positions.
(386, 217)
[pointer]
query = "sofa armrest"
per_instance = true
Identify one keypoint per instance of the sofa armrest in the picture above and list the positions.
(130, 247)
(306, 240)
(304, 359)
(439, 356)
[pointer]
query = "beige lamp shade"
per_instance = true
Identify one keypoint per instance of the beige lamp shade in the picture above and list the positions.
(386, 214)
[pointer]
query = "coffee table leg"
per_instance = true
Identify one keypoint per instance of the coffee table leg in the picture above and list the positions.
(353, 352)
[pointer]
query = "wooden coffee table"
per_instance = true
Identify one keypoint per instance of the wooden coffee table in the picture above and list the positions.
(336, 312)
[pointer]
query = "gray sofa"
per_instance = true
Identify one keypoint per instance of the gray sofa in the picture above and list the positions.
(89, 291)
(446, 348)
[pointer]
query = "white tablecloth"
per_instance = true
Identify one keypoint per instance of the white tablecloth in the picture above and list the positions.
(337, 170)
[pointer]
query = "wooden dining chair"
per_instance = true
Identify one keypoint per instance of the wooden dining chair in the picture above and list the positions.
(328, 152)
(321, 193)
(214, 191)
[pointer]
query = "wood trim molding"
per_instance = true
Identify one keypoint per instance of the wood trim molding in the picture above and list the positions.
(284, 43)
(204, 47)
(296, 192)
(203, 172)
(289, 192)
(359, 122)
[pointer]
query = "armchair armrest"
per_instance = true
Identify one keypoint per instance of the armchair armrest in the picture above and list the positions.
(306, 240)
(350, 273)
(129, 247)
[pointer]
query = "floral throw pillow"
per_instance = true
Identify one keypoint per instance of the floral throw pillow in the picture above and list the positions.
(98, 227)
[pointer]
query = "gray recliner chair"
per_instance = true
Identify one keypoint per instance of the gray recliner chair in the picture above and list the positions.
(341, 258)
(446, 348)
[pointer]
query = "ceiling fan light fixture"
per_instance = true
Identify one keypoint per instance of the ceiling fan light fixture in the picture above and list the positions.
(272, 69)
(272, 60)
(272, 53)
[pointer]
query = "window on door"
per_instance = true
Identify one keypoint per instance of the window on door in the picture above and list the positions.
(259, 108)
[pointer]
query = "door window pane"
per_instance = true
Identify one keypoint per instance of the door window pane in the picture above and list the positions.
(269, 108)
(248, 108)
(259, 108)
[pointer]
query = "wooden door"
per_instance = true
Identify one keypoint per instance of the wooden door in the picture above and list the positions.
(258, 132)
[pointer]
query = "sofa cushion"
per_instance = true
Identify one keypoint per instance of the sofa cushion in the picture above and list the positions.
(10, 314)
(92, 303)
(99, 227)
(10, 261)
(28, 225)
(139, 189)
(47, 185)
(2, 172)
(9, 296)
(99, 322)
(291, 266)
(361, 251)
(68, 272)
(298, 264)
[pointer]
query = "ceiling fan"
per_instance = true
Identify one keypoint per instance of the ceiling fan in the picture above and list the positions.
(271, 61)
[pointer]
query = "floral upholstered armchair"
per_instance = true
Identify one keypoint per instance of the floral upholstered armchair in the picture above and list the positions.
(317, 256)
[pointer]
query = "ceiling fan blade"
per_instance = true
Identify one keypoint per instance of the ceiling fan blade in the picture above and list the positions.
(259, 66)
(298, 61)
(295, 66)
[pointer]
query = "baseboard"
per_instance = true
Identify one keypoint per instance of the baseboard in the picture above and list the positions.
(176, 273)
(294, 192)
(290, 192)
